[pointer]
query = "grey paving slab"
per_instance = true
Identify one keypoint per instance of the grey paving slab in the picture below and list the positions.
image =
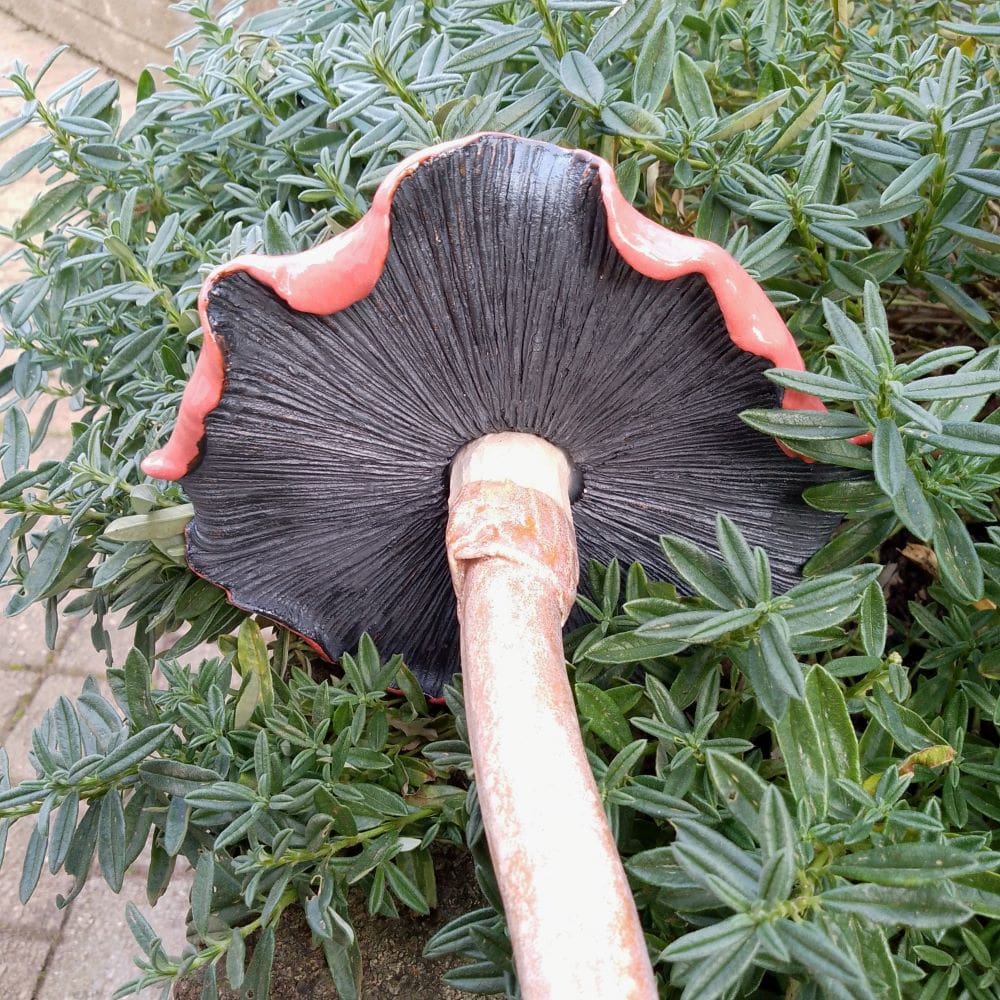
(21, 961)
(39, 916)
(96, 928)
(55, 447)
(76, 650)
(22, 639)
(16, 689)
(18, 742)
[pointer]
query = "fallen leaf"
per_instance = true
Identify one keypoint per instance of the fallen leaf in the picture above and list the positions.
(922, 555)
(930, 757)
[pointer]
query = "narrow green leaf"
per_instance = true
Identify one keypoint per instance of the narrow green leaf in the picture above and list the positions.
(847, 496)
(956, 386)
(777, 830)
(201, 891)
(825, 958)
(708, 980)
(778, 658)
(722, 624)
(738, 557)
(804, 751)
(912, 864)
(492, 49)
(130, 352)
(896, 479)
(889, 457)
(981, 893)
(909, 180)
(926, 907)
(704, 852)
(873, 620)
(138, 691)
(691, 90)
(703, 572)
(740, 787)
(655, 65)
(69, 738)
(479, 978)
(749, 116)
(877, 324)
(61, 833)
(253, 659)
(907, 729)
(958, 560)
(773, 698)
(629, 647)
(942, 357)
(156, 525)
(847, 334)
(135, 749)
(582, 78)
(619, 28)
(239, 829)
(25, 160)
(48, 562)
(404, 887)
(599, 711)
(822, 601)
(711, 941)
(111, 840)
(803, 117)
(236, 959)
(34, 859)
(257, 980)
(823, 386)
(962, 436)
(625, 118)
(843, 453)
(622, 764)
(777, 877)
(805, 425)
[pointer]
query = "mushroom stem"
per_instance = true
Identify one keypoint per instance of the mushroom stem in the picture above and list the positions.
(512, 552)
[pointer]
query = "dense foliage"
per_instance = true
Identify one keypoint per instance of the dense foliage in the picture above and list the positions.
(804, 786)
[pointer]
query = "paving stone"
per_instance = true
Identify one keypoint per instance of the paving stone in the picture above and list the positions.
(76, 653)
(55, 448)
(22, 639)
(39, 916)
(63, 418)
(18, 743)
(21, 961)
(16, 688)
(94, 954)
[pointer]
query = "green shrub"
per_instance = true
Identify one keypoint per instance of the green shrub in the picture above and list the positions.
(805, 786)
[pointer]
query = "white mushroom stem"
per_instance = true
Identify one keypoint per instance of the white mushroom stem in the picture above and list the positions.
(512, 552)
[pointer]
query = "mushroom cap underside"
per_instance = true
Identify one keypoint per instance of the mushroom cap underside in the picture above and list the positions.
(321, 489)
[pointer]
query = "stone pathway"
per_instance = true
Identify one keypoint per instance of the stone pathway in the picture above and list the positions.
(84, 951)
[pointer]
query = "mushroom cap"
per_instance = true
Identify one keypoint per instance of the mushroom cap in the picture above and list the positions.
(502, 303)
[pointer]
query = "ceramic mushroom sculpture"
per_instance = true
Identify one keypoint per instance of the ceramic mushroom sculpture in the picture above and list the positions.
(397, 431)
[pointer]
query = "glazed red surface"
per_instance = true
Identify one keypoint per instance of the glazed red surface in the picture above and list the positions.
(339, 272)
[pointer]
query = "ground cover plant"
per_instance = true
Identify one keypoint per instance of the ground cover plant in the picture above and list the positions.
(804, 786)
